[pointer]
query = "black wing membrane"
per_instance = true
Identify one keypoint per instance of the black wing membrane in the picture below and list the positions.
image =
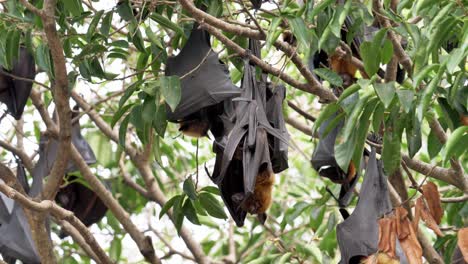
(13, 92)
(82, 201)
(358, 235)
(254, 138)
(257, 4)
(205, 80)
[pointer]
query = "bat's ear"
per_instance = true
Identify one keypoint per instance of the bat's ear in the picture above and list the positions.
(262, 218)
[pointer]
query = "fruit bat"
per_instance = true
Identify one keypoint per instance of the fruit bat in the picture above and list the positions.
(15, 93)
(324, 162)
(248, 143)
(48, 148)
(205, 84)
(257, 4)
(16, 238)
(358, 235)
(7, 204)
(82, 201)
(457, 257)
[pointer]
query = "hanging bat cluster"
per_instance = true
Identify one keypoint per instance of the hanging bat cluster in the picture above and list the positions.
(247, 124)
(253, 147)
(14, 93)
(16, 239)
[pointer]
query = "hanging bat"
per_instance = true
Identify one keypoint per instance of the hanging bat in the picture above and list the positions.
(248, 152)
(358, 235)
(324, 162)
(205, 84)
(13, 92)
(82, 201)
(257, 4)
(16, 239)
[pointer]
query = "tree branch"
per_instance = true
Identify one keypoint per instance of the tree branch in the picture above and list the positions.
(212, 24)
(28, 164)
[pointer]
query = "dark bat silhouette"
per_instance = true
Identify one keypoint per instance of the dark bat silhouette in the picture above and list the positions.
(16, 238)
(16, 241)
(13, 92)
(257, 4)
(324, 162)
(246, 143)
(205, 84)
(82, 201)
(358, 234)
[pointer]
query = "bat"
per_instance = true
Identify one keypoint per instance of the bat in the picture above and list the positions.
(82, 201)
(13, 92)
(324, 162)
(205, 84)
(358, 234)
(257, 4)
(245, 146)
(16, 239)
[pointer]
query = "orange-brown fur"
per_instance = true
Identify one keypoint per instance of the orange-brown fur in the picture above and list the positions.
(261, 199)
(194, 128)
(344, 68)
(351, 172)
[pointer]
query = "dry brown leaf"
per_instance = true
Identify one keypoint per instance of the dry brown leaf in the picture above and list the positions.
(463, 242)
(431, 193)
(426, 216)
(407, 237)
(387, 236)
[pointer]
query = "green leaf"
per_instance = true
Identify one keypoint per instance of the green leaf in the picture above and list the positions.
(391, 155)
(433, 145)
(406, 99)
(348, 92)
(129, 91)
(345, 150)
(119, 114)
(168, 205)
(424, 73)
(212, 205)
(330, 76)
(12, 47)
(189, 188)
(154, 39)
(190, 213)
(149, 108)
(170, 89)
(211, 189)
(106, 23)
(73, 6)
(413, 135)
(386, 52)
(160, 120)
(325, 114)
(273, 32)
(457, 138)
(370, 58)
(320, 7)
(93, 25)
(115, 250)
(300, 30)
(386, 92)
(285, 258)
(125, 10)
(455, 58)
(123, 130)
(363, 128)
(165, 22)
(427, 94)
(316, 217)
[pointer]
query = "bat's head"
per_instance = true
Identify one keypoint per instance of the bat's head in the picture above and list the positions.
(195, 128)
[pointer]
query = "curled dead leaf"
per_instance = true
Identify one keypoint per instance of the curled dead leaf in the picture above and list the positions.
(407, 237)
(432, 196)
(463, 242)
(423, 210)
(387, 236)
